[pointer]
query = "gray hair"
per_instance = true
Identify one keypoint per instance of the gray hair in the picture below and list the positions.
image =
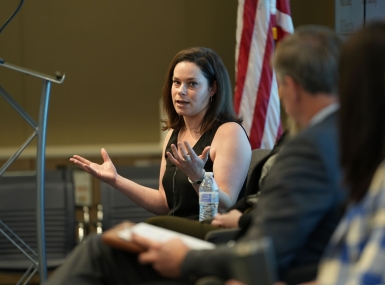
(310, 56)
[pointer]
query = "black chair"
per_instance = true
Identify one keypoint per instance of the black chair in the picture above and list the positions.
(115, 207)
(256, 156)
(18, 196)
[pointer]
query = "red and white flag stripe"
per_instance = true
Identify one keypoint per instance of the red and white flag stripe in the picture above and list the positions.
(283, 18)
(256, 92)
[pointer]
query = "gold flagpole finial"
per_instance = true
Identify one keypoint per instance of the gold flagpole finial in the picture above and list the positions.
(275, 33)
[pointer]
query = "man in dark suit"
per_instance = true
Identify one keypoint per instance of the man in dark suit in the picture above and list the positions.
(301, 196)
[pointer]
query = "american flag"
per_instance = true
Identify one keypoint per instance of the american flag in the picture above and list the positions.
(256, 92)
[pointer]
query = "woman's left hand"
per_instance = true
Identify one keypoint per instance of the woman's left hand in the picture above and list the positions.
(185, 158)
(227, 220)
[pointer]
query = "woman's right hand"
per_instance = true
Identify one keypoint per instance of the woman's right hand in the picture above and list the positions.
(106, 172)
(193, 167)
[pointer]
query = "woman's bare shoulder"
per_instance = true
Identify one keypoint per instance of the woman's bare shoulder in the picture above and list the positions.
(231, 128)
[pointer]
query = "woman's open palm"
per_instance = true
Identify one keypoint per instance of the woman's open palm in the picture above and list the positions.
(106, 172)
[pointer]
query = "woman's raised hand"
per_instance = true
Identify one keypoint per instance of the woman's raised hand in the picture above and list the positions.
(185, 158)
(105, 172)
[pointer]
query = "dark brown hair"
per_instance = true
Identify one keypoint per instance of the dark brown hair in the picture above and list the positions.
(221, 108)
(362, 113)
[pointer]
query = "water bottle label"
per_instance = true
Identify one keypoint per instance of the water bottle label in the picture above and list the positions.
(208, 197)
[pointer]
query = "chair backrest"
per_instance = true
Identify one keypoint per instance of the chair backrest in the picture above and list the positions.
(256, 156)
(117, 207)
(18, 194)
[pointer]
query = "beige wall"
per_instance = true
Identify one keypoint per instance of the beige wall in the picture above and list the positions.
(114, 54)
(313, 12)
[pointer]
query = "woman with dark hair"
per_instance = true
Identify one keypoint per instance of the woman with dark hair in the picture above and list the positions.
(356, 254)
(204, 135)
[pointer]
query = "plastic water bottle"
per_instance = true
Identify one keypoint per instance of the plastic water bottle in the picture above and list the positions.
(208, 197)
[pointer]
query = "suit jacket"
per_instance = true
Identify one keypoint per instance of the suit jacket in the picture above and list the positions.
(299, 206)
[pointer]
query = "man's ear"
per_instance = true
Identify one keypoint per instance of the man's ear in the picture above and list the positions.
(213, 88)
(293, 86)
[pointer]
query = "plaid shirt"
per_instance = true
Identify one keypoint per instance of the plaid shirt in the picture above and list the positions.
(356, 252)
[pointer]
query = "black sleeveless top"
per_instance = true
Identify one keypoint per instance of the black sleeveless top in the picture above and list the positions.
(182, 198)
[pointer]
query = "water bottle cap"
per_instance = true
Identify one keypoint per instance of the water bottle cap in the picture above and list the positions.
(209, 178)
